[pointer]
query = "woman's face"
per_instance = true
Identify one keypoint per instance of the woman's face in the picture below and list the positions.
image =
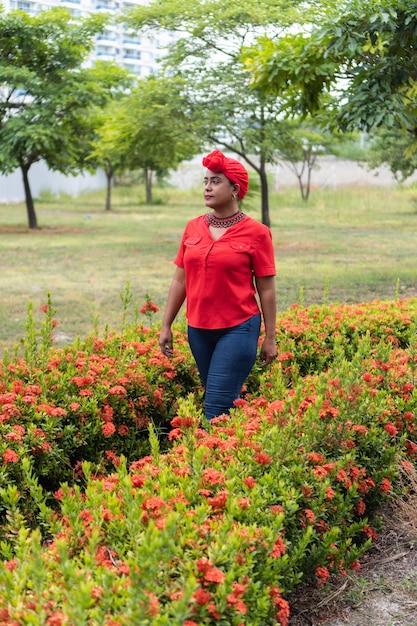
(218, 190)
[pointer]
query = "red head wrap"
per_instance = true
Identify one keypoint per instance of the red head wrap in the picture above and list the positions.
(216, 161)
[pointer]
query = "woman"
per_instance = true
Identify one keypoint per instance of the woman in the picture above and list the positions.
(222, 256)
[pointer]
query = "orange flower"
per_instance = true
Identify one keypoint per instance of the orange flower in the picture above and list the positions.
(322, 575)
(385, 485)
(279, 549)
(58, 618)
(219, 501)
(211, 476)
(108, 429)
(262, 458)
(149, 307)
(117, 390)
(249, 482)
(153, 608)
(10, 456)
(202, 597)
(391, 429)
(214, 575)
(370, 532)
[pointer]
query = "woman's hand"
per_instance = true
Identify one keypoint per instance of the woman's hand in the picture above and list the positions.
(268, 351)
(165, 342)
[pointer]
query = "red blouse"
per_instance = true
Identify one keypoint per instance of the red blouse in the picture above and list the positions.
(219, 275)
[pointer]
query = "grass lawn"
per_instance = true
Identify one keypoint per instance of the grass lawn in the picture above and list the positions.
(344, 245)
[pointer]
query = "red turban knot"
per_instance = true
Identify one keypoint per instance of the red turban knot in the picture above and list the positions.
(217, 162)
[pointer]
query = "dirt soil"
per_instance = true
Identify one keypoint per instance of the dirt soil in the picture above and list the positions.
(382, 593)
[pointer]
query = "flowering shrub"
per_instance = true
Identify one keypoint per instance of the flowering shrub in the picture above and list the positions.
(92, 401)
(221, 525)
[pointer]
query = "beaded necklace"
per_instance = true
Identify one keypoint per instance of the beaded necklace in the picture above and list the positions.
(224, 222)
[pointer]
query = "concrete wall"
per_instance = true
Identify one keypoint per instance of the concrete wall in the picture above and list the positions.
(41, 179)
(329, 172)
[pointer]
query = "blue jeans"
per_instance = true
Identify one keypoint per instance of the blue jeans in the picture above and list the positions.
(224, 359)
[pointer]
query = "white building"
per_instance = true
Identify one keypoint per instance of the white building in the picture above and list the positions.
(135, 52)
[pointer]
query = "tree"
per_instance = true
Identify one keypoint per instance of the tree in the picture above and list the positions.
(302, 141)
(104, 151)
(397, 150)
(149, 129)
(363, 51)
(207, 56)
(45, 92)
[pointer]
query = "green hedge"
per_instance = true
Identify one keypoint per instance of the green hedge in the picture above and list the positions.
(117, 507)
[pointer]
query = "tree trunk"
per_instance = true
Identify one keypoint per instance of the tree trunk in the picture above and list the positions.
(30, 207)
(148, 183)
(109, 177)
(264, 194)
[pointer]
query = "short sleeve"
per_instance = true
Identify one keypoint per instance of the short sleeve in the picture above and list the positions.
(263, 259)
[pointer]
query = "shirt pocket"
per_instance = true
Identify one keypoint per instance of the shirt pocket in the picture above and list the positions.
(240, 246)
(191, 241)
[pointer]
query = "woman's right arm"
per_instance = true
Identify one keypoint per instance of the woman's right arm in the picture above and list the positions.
(176, 297)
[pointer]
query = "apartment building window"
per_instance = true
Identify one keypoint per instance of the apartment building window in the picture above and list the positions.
(103, 4)
(26, 6)
(132, 54)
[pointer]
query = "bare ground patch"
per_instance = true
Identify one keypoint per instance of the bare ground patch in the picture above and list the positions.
(384, 591)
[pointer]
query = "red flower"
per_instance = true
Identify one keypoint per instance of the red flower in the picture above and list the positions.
(86, 516)
(153, 608)
(202, 597)
(58, 618)
(10, 456)
(213, 477)
(17, 434)
(316, 458)
(249, 482)
(203, 565)
(279, 549)
(213, 611)
(262, 458)
(370, 532)
(154, 504)
(176, 433)
(330, 494)
(96, 592)
(237, 603)
(108, 429)
(283, 612)
(385, 485)
(214, 575)
(309, 515)
(117, 390)
(183, 422)
(390, 429)
(138, 480)
(219, 501)
(322, 575)
(149, 307)
(360, 507)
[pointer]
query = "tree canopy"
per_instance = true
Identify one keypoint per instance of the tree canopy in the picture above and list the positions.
(206, 56)
(150, 129)
(45, 91)
(360, 50)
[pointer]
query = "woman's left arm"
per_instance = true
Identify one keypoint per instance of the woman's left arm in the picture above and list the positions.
(265, 286)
